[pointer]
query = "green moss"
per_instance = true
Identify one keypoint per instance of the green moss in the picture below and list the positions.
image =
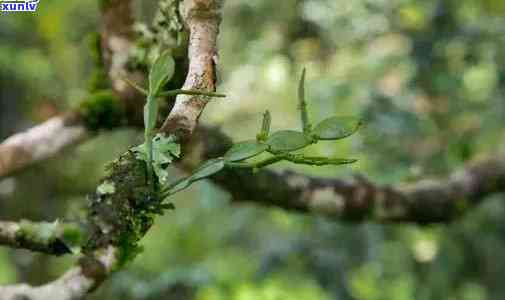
(73, 235)
(53, 238)
(95, 47)
(42, 233)
(102, 110)
(103, 4)
(98, 80)
(121, 218)
(461, 206)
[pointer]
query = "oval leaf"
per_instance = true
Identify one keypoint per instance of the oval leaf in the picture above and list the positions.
(208, 168)
(161, 72)
(179, 186)
(322, 161)
(335, 128)
(244, 150)
(287, 140)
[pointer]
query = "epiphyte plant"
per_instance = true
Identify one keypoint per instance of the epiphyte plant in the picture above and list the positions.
(279, 146)
(158, 150)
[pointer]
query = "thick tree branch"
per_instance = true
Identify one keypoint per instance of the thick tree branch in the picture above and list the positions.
(116, 42)
(423, 201)
(58, 133)
(75, 284)
(202, 18)
(48, 238)
(428, 201)
(40, 142)
(45, 141)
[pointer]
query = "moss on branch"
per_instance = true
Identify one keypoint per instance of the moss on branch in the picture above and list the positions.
(102, 110)
(54, 238)
(122, 209)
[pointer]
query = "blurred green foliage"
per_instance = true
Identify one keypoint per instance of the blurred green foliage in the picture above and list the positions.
(427, 76)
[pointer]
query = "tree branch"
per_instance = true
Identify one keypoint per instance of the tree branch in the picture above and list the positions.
(202, 18)
(58, 133)
(427, 201)
(75, 284)
(48, 139)
(116, 42)
(48, 238)
(40, 142)
(357, 200)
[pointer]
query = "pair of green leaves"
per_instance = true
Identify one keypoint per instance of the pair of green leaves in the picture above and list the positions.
(279, 144)
(282, 143)
(333, 128)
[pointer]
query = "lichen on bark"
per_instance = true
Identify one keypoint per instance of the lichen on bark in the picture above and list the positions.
(122, 209)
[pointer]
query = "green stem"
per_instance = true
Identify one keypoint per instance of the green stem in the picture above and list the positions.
(318, 161)
(190, 92)
(265, 127)
(259, 164)
(303, 105)
(165, 192)
(150, 117)
(135, 86)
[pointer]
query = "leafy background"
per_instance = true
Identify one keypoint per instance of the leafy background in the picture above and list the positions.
(426, 75)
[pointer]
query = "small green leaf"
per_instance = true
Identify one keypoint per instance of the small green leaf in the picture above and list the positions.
(140, 152)
(208, 168)
(304, 116)
(162, 71)
(335, 128)
(287, 140)
(164, 151)
(164, 146)
(320, 161)
(178, 186)
(245, 150)
(265, 127)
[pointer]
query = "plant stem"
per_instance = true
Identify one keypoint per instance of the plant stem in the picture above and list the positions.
(190, 92)
(259, 164)
(303, 105)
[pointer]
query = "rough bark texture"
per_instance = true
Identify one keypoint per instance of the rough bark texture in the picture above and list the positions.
(429, 201)
(41, 237)
(75, 284)
(116, 41)
(202, 18)
(39, 143)
(53, 136)
(358, 199)
(105, 250)
(93, 268)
